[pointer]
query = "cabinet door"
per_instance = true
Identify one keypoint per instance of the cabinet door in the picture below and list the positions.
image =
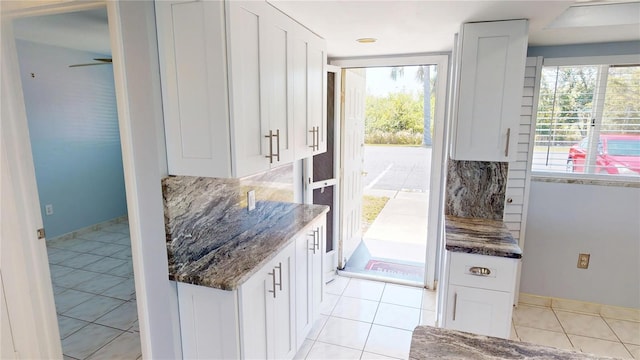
(317, 277)
(281, 335)
(193, 68)
(492, 63)
(267, 310)
(304, 285)
(208, 322)
(276, 84)
(249, 119)
(254, 305)
(479, 311)
(299, 98)
(317, 83)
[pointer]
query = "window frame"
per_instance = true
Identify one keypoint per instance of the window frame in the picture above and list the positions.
(590, 178)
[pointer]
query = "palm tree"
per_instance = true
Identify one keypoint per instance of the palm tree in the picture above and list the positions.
(423, 75)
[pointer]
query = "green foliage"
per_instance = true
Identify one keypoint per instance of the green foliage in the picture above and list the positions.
(393, 113)
(394, 119)
(397, 138)
(565, 106)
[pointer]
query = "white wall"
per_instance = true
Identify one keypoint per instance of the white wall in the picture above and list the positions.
(567, 219)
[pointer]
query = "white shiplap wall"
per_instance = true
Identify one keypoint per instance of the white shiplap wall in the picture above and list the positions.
(517, 193)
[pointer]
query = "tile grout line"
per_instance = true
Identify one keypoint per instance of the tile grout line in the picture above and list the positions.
(565, 331)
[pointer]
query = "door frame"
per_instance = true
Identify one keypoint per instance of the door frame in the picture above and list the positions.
(330, 259)
(134, 51)
(438, 154)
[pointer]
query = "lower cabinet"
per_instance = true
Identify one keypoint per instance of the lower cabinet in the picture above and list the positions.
(479, 293)
(266, 317)
(266, 312)
(309, 278)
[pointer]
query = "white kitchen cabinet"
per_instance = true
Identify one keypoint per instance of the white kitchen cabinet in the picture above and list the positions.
(490, 77)
(309, 278)
(267, 311)
(255, 321)
(228, 86)
(309, 57)
(479, 293)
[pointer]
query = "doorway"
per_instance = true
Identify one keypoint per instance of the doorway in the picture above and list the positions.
(69, 94)
(390, 224)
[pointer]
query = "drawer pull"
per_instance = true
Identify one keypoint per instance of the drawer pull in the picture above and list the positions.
(479, 271)
(273, 277)
(506, 148)
(455, 305)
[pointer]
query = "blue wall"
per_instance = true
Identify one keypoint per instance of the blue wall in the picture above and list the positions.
(598, 49)
(73, 126)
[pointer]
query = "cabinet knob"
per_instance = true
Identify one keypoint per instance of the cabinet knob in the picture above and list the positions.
(509, 200)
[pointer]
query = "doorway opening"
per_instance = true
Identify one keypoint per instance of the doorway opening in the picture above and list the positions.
(390, 113)
(69, 95)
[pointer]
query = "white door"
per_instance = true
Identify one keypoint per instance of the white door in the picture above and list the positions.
(353, 89)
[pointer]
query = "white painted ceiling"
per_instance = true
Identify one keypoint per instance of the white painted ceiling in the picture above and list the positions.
(401, 27)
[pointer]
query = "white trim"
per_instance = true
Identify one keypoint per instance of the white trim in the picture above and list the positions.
(438, 152)
(134, 47)
(400, 60)
(593, 60)
(527, 179)
(133, 41)
(23, 258)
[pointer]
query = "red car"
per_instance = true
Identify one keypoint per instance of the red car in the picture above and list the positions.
(617, 154)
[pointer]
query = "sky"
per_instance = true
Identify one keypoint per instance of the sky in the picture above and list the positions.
(379, 82)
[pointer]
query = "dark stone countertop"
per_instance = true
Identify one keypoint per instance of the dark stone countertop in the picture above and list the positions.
(480, 236)
(214, 241)
(437, 343)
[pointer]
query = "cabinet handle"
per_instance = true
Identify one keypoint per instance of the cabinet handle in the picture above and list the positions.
(315, 133)
(279, 267)
(316, 239)
(313, 138)
(455, 305)
(313, 247)
(273, 276)
(277, 135)
(479, 271)
(506, 149)
(270, 156)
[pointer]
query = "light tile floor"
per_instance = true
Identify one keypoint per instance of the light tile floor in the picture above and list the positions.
(94, 293)
(363, 319)
(614, 336)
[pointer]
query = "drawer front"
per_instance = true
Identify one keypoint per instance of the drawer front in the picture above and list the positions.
(481, 271)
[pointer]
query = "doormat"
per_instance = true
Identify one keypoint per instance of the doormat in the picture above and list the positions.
(394, 268)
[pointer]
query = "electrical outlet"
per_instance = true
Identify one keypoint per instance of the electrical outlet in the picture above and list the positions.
(48, 209)
(251, 200)
(583, 261)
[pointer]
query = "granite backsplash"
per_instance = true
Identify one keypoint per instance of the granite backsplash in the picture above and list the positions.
(476, 189)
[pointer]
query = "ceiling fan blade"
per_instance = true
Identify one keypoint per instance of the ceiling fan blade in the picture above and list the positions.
(90, 64)
(101, 61)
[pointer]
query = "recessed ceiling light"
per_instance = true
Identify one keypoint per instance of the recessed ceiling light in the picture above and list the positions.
(366, 40)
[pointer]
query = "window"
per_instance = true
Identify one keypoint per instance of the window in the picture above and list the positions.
(588, 121)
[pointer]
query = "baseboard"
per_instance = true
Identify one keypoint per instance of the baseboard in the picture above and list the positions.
(74, 234)
(608, 311)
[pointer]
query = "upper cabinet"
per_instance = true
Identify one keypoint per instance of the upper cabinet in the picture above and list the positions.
(309, 98)
(229, 86)
(490, 73)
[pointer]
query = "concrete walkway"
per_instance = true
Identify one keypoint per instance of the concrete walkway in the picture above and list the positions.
(400, 230)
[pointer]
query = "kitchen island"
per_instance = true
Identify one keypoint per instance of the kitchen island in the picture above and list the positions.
(436, 343)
